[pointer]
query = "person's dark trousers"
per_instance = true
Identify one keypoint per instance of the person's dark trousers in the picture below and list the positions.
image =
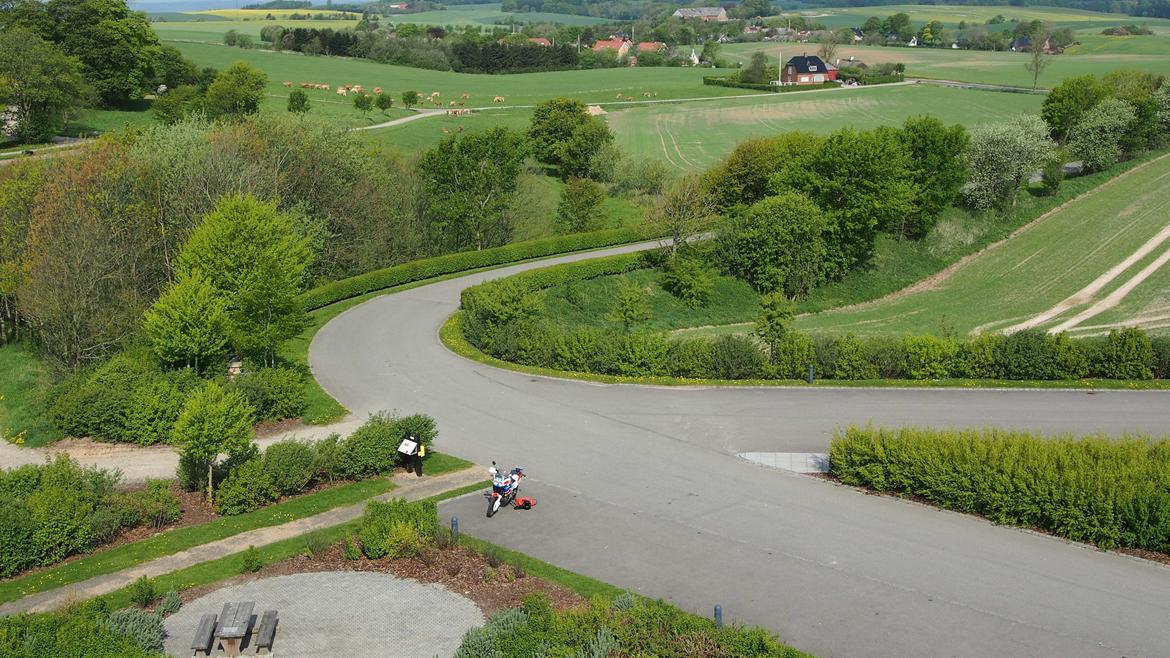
(418, 463)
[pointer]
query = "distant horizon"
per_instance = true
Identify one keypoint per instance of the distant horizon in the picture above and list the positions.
(157, 6)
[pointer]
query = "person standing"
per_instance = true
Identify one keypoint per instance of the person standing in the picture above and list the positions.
(418, 456)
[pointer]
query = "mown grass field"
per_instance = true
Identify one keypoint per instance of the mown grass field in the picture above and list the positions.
(694, 136)
(1095, 239)
(212, 31)
(951, 15)
(23, 389)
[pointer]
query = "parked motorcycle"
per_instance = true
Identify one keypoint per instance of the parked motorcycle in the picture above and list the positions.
(505, 486)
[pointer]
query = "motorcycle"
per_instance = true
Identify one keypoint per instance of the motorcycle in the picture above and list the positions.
(505, 486)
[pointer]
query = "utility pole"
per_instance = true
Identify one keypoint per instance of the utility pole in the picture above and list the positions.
(780, 69)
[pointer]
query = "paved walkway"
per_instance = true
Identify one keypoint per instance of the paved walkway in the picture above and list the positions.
(397, 617)
(409, 487)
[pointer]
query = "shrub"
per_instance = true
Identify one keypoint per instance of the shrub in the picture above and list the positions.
(247, 488)
(642, 354)
(792, 356)
(252, 561)
(1033, 354)
(927, 357)
(977, 358)
(156, 504)
(93, 403)
(151, 413)
(170, 603)
(349, 549)
(325, 457)
(144, 628)
(691, 280)
(109, 519)
(142, 592)
(403, 540)
(849, 360)
(1161, 349)
(371, 449)
(1127, 354)
(316, 544)
(290, 466)
(574, 350)
(887, 356)
(379, 520)
(1095, 489)
(276, 393)
(690, 357)
(736, 357)
(17, 552)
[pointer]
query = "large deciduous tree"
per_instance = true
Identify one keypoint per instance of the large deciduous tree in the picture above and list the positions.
(863, 183)
(42, 83)
(1097, 138)
(1002, 159)
(777, 245)
(565, 136)
(742, 178)
(188, 323)
(256, 260)
(468, 183)
(236, 92)
(577, 210)
(938, 167)
(1068, 101)
(684, 210)
(19, 185)
(119, 52)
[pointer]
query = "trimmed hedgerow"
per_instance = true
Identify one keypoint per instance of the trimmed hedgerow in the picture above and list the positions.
(427, 268)
(1108, 492)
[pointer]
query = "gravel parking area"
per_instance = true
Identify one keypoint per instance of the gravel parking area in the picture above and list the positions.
(352, 614)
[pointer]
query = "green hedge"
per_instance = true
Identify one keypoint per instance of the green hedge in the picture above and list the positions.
(427, 268)
(725, 81)
(1110, 493)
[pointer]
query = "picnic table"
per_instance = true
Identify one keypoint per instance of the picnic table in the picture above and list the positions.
(235, 624)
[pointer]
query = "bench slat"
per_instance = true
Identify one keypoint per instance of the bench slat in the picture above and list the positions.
(267, 630)
(204, 634)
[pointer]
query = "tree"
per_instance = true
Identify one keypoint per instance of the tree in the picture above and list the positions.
(38, 80)
(120, 53)
(1038, 59)
(409, 99)
(1162, 103)
(827, 50)
(214, 421)
(1097, 139)
(236, 92)
(384, 102)
(577, 210)
(1002, 158)
(756, 72)
(742, 178)
(773, 321)
(188, 324)
(469, 183)
(777, 245)
(177, 104)
(938, 168)
(1068, 101)
(683, 211)
(565, 136)
(631, 306)
(862, 181)
(256, 260)
(363, 102)
(298, 101)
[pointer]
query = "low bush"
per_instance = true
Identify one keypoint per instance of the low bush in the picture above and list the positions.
(1107, 492)
(349, 549)
(77, 631)
(371, 449)
(144, 628)
(690, 357)
(275, 393)
(170, 603)
(249, 487)
(380, 520)
(156, 504)
(1126, 354)
(94, 402)
(736, 357)
(403, 540)
(691, 280)
(142, 592)
(252, 561)
(290, 465)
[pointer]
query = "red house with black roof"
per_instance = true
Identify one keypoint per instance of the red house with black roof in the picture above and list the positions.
(807, 70)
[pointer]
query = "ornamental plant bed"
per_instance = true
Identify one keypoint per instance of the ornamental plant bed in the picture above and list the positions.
(457, 568)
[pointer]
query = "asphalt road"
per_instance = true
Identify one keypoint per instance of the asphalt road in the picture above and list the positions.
(640, 487)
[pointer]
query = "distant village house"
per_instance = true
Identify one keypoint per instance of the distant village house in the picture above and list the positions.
(807, 70)
(705, 14)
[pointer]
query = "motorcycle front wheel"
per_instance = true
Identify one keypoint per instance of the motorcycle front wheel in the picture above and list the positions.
(493, 505)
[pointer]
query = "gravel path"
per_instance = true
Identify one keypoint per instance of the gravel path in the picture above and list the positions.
(346, 613)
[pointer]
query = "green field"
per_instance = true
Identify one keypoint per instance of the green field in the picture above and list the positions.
(212, 31)
(1106, 247)
(950, 15)
(695, 136)
(23, 390)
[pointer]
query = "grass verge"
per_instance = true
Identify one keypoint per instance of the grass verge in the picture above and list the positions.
(451, 335)
(582, 585)
(173, 541)
(23, 386)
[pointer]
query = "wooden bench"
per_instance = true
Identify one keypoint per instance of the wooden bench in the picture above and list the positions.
(204, 640)
(267, 631)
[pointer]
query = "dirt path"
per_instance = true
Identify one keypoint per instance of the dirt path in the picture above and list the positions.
(138, 463)
(1114, 298)
(410, 487)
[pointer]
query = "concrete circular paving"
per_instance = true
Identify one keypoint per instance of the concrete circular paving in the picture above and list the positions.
(342, 613)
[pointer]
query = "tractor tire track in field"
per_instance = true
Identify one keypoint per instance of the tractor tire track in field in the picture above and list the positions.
(1114, 298)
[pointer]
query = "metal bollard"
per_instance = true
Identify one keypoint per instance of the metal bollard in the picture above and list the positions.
(454, 529)
(718, 616)
(810, 373)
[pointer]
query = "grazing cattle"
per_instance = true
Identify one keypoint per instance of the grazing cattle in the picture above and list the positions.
(646, 94)
(460, 103)
(619, 97)
(498, 99)
(377, 91)
(451, 104)
(446, 132)
(357, 88)
(435, 94)
(465, 96)
(341, 91)
(629, 98)
(287, 83)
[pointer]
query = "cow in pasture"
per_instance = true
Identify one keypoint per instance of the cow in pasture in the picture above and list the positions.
(377, 91)
(287, 83)
(341, 91)
(498, 99)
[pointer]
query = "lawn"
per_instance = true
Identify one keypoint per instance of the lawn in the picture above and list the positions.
(1113, 238)
(23, 387)
(695, 136)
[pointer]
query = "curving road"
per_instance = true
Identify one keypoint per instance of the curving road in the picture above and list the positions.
(640, 486)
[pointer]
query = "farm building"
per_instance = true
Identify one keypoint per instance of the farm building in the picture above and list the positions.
(705, 14)
(651, 46)
(619, 46)
(807, 70)
(540, 41)
(1021, 44)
